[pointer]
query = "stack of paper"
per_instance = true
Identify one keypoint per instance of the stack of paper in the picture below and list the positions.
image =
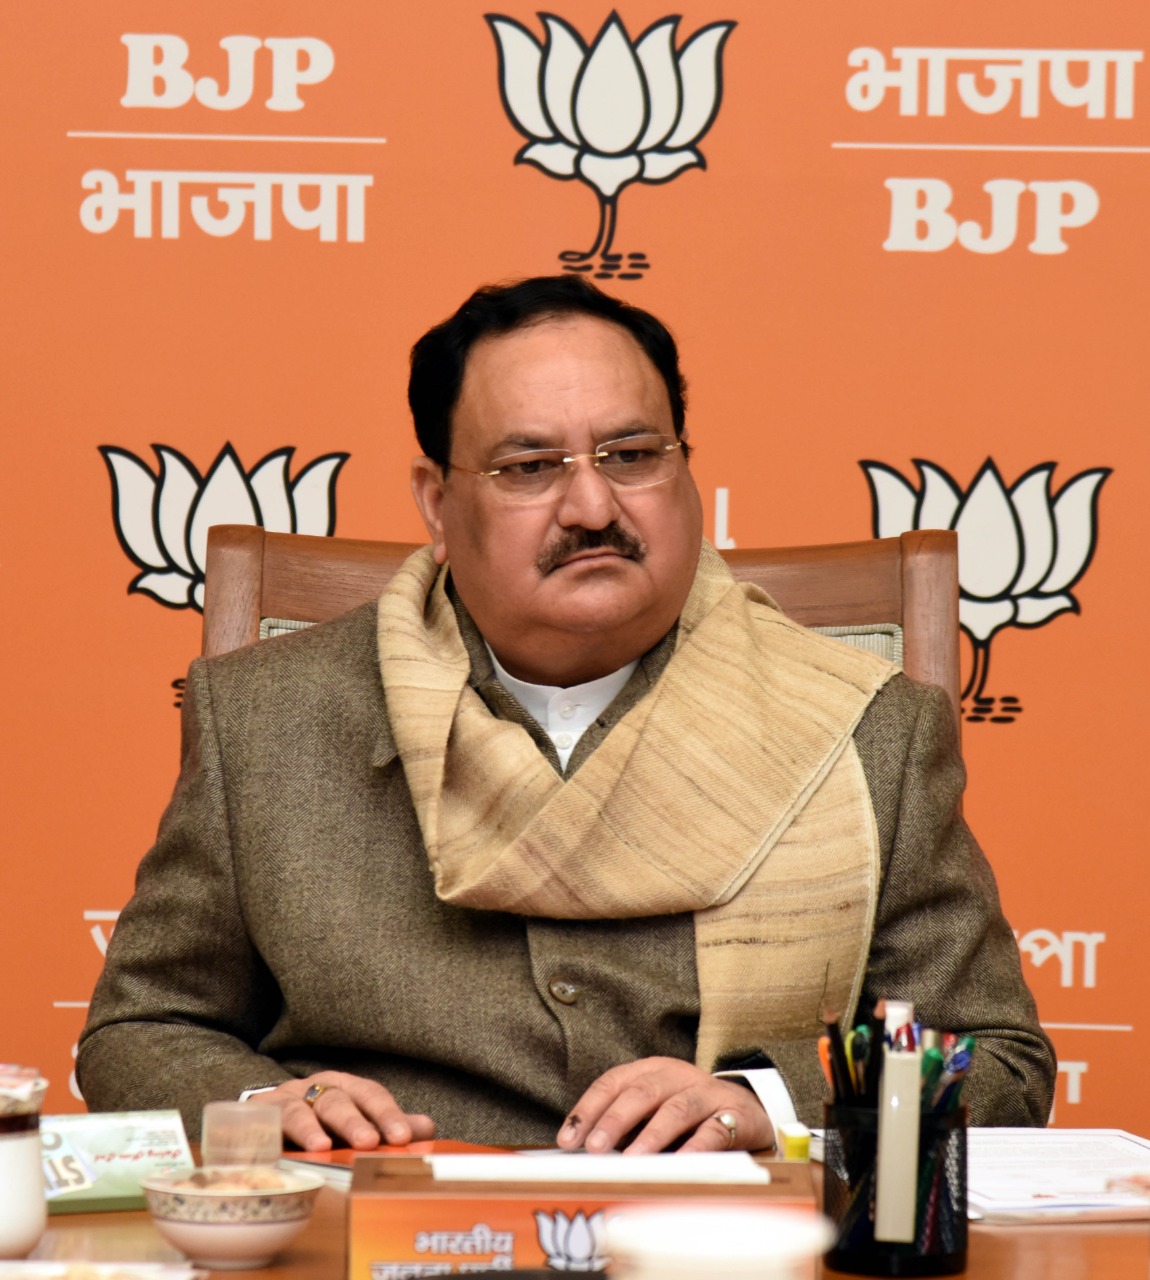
(729, 1167)
(1055, 1175)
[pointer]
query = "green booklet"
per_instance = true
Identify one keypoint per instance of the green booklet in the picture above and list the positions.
(96, 1161)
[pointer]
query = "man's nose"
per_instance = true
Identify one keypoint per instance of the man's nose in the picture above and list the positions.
(589, 499)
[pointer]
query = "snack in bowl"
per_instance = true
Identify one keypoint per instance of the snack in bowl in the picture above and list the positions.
(231, 1217)
(231, 1179)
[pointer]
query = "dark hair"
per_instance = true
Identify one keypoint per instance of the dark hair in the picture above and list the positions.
(439, 358)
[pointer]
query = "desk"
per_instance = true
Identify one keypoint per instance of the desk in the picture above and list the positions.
(319, 1252)
(1120, 1251)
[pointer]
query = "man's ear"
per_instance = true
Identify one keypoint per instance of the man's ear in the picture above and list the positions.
(427, 488)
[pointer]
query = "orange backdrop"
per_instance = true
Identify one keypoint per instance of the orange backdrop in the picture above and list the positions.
(868, 253)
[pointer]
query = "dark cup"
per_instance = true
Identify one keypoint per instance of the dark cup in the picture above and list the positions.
(939, 1245)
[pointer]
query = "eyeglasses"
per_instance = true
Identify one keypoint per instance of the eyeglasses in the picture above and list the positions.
(637, 462)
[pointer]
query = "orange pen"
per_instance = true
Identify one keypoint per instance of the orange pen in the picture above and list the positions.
(825, 1059)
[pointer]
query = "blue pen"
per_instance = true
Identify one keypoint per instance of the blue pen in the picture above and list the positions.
(948, 1100)
(960, 1045)
(957, 1065)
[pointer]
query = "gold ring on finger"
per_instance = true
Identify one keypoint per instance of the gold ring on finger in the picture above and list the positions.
(311, 1097)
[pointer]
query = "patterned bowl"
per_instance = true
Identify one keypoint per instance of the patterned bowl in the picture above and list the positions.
(229, 1218)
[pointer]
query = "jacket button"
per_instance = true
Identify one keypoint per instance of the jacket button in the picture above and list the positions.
(563, 991)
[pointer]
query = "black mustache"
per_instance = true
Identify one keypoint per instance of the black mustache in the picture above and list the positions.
(572, 541)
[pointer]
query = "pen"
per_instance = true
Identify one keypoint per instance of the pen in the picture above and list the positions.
(858, 1050)
(898, 1031)
(840, 1068)
(962, 1044)
(825, 1060)
(932, 1069)
(950, 1082)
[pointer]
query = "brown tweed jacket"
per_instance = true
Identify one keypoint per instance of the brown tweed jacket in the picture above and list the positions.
(285, 921)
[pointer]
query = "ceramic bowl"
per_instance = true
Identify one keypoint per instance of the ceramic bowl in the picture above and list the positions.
(230, 1218)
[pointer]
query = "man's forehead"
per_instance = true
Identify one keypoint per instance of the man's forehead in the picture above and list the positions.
(526, 368)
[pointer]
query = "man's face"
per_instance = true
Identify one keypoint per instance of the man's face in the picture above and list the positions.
(578, 583)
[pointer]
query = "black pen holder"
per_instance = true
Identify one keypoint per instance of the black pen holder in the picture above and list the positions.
(849, 1190)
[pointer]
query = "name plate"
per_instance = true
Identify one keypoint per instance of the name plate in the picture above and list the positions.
(96, 1161)
(537, 1214)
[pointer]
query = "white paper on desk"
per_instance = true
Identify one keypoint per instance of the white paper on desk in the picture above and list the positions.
(1050, 1175)
(720, 1166)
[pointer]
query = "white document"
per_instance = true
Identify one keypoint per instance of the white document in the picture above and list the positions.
(1054, 1175)
(732, 1167)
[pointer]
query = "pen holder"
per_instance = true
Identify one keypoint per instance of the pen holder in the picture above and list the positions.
(850, 1187)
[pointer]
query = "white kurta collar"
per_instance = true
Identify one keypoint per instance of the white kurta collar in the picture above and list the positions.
(564, 714)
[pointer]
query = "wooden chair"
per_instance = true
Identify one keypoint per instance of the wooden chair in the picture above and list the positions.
(894, 596)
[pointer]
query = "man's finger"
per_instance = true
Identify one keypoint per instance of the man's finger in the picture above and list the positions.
(361, 1112)
(378, 1106)
(640, 1079)
(720, 1132)
(671, 1107)
(663, 1101)
(328, 1111)
(679, 1116)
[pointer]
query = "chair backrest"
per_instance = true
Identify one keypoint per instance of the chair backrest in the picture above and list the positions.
(895, 596)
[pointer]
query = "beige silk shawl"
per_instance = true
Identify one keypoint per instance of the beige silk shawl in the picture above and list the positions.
(732, 790)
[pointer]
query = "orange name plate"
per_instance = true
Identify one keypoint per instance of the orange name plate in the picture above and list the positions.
(404, 1223)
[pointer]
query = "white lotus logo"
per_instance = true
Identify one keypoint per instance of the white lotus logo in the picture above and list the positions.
(612, 114)
(572, 1244)
(162, 517)
(1020, 550)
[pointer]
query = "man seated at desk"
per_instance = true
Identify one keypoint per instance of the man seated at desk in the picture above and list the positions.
(567, 823)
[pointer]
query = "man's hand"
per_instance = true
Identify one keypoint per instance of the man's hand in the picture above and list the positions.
(359, 1111)
(675, 1099)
